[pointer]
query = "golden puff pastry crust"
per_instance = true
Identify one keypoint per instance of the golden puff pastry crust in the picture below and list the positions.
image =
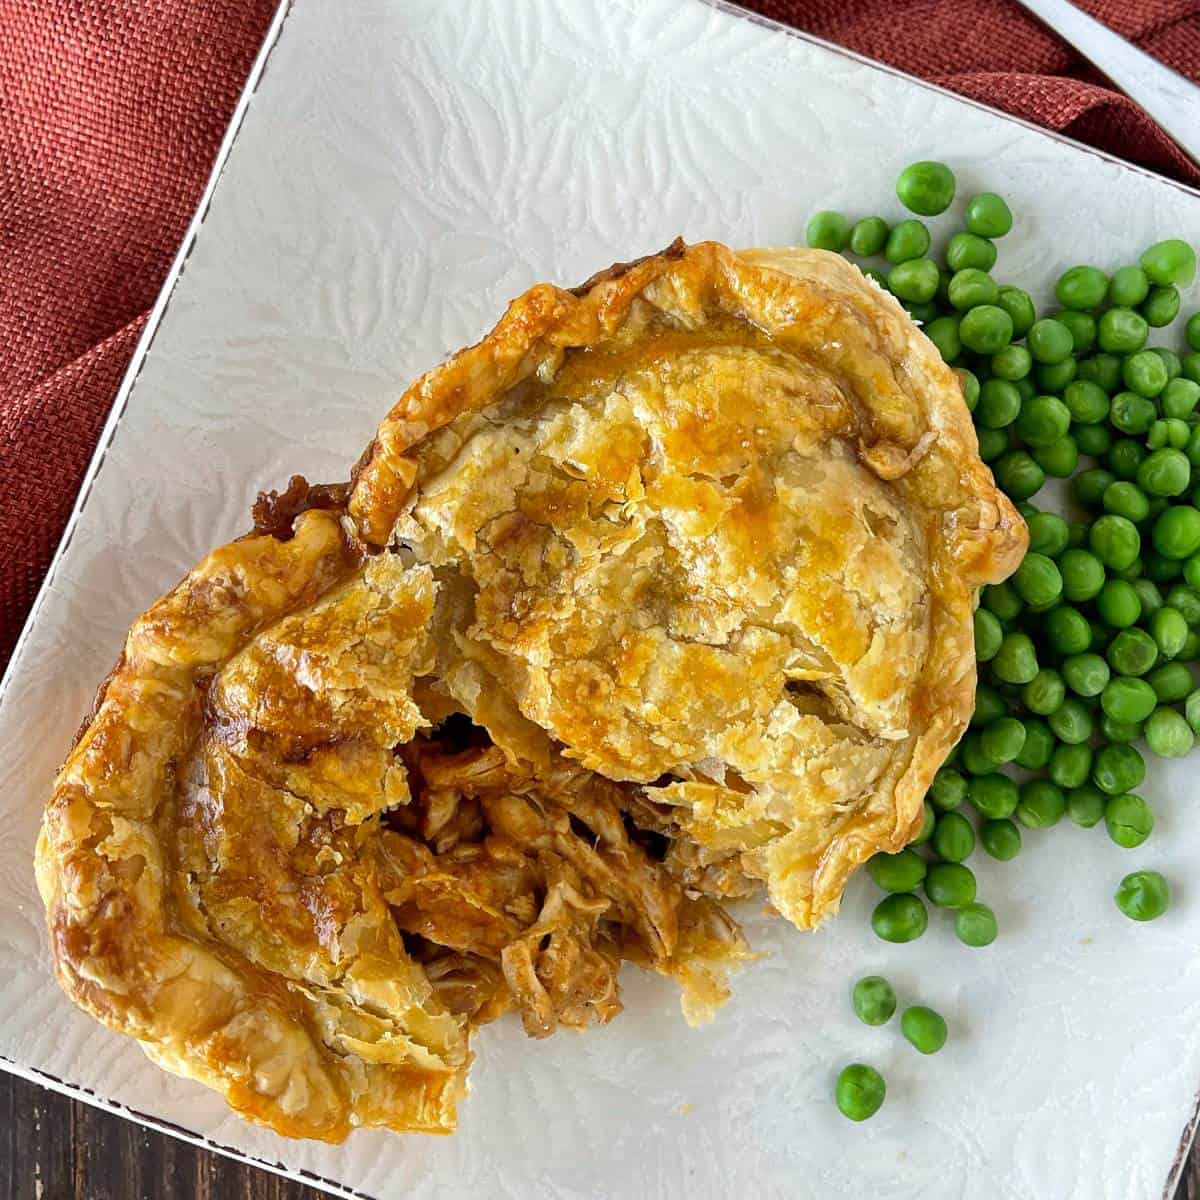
(660, 593)
(722, 521)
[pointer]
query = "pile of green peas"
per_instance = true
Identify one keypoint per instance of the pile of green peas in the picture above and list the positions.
(1086, 653)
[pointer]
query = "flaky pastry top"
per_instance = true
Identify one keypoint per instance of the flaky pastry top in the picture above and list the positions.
(659, 594)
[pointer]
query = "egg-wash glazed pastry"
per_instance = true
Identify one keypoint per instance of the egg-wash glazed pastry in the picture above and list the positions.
(658, 596)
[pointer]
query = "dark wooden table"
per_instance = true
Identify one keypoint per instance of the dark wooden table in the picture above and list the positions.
(52, 1148)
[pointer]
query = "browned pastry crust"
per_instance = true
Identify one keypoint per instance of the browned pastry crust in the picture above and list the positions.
(660, 593)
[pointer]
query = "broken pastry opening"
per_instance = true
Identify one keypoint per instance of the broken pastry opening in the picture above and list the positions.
(657, 599)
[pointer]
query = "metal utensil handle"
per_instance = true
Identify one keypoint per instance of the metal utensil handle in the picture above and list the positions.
(1171, 100)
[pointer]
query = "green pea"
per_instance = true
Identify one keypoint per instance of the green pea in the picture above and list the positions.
(1071, 722)
(1115, 541)
(828, 231)
(992, 444)
(999, 404)
(1125, 499)
(1131, 413)
(1157, 436)
(1081, 287)
(988, 635)
(1077, 534)
(1071, 766)
(1191, 648)
(927, 823)
(1016, 660)
(1002, 600)
(1067, 630)
(954, 838)
(1003, 739)
(1103, 370)
(1121, 331)
(993, 796)
(1120, 731)
(1037, 581)
(1165, 472)
(1128, 819)
(860, 1091)
(1187, 601)
(1176, 532)
(1161, 307)
(1179, 398)
(1179, 432)
(949, 884)
(924, 1029)
(975, 925)
(1059, 459)
(1019, 475)
(1043, 694)
(1085, 674)
(1082, 327)
(1171, 682)
(986, 329)
(926, 188)
(1093, 439)
(1132, 652)
(1012, 363)
(968, 382)
(1191, 710)
(1082, 574)
(907, 240)
(1169, 631)
(971, 287)
(1126, 455)
(915, 279)
(922, 312)
(1144, 373)
(1128, 287)
(989, 706)
(1042, 804)
(1049, 341)
(1143, 896)
(1189, 365)
(942, 332)
(1001, 839)
(1149, 597)
(899, 872)
(1055, 377)
(969, 251)
(1168, 734)
(899, 918)
(1171, 361)
(1047, 534)
(873, 1000)
(1043, 420)
(1170, 261)
(868, 237)
(1130, 573)
(1085, 805)
(1039, 745)
(972, 758)
(1118, 768)
(988, 215)
(1128, 699)
(1089, 487)
(949, 788)
(1086, 402)
(1191, 331)
(1191, 571)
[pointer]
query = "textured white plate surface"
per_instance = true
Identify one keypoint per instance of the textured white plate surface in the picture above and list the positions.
(406, 167)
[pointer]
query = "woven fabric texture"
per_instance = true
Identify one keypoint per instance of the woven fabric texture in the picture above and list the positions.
(111, 112)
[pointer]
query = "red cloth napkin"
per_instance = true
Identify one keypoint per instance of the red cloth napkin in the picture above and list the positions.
(114, 109)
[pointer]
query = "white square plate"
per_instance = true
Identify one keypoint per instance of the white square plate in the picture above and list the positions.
(403, 168)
